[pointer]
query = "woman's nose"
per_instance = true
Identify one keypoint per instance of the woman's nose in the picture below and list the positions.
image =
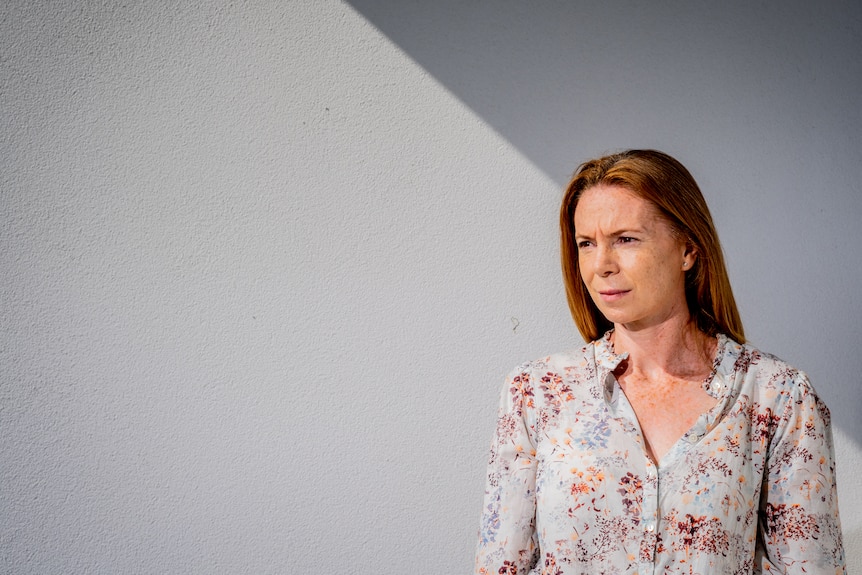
(606, 263)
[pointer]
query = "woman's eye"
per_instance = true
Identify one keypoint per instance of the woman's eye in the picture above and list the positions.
(584, 244)
(626, 239)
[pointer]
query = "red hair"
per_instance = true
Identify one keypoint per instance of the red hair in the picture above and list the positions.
(665, 183)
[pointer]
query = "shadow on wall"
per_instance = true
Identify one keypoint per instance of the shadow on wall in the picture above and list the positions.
(734, 92)
(561, 78)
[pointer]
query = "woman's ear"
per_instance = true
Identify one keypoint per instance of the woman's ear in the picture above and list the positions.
(689, 256)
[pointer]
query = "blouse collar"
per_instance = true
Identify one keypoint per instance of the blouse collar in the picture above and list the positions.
(606, 358)
(726, 353)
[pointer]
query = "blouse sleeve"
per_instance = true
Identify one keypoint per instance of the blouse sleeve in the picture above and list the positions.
(507, 538)
(799, 526)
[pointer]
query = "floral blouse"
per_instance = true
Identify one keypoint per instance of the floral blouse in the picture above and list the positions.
(750, 488)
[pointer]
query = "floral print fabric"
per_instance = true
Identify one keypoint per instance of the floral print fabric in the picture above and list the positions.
(750, 488)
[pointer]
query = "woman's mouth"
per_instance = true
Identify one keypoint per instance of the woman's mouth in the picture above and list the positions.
(612, 294)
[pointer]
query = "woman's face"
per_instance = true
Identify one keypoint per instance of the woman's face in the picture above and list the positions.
(631, 262)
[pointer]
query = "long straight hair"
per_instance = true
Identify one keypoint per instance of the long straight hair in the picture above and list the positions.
(666, 184)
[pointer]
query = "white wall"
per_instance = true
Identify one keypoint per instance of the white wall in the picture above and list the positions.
(264, 266)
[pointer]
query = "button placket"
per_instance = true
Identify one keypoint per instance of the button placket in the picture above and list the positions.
(649, 518)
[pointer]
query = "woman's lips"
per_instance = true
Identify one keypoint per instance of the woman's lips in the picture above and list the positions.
(613, 294)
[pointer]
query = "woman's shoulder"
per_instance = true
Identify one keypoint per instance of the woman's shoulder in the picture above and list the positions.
(545, 384)
(764, 370)
(746, 357)
(564, 362)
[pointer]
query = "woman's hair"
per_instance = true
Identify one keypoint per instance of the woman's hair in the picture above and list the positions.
(667, 185)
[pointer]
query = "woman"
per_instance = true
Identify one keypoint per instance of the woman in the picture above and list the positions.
(667, 445)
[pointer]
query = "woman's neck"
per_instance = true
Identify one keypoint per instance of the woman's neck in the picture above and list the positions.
(675, 348)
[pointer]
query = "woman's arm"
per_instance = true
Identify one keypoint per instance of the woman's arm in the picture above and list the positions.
(799, 530)
(507, 536)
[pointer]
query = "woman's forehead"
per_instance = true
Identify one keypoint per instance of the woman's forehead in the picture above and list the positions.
(615, 205)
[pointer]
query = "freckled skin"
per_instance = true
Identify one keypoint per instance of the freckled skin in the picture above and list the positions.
(633, 266)
(665, 409)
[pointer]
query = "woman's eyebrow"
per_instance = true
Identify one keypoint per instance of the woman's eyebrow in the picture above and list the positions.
(616, 233)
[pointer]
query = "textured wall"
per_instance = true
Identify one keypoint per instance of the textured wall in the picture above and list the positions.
(263, 269)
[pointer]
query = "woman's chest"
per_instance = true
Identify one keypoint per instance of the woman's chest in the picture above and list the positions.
(597, 459)
(666, 411)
